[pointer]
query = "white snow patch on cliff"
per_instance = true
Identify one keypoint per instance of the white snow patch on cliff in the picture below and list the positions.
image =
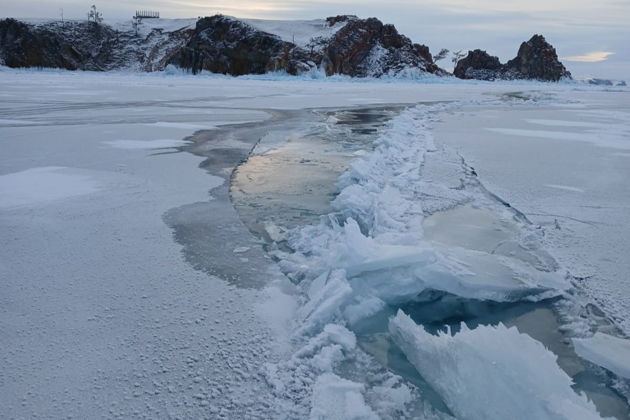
(299, 32)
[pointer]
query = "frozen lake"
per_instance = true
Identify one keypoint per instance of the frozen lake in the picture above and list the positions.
(210, 247)
(566, 167)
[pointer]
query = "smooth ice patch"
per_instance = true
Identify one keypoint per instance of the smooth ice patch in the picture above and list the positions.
(609, 352)
(145, 144)
(4, 121)
(565, 187)
(37, 185)
(183, 125)
(491, 373)
(604, 139)
(564, 123)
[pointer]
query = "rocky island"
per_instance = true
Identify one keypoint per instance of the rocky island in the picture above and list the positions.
(344, 45)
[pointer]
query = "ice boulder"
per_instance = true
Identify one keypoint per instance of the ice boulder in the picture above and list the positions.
(335, 398)
(491, 372)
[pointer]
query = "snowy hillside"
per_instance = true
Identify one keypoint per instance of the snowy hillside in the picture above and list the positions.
(300, 32)
(219, 44)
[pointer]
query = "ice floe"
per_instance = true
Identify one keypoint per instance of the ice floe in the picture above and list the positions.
(607, 351)
(491, 373)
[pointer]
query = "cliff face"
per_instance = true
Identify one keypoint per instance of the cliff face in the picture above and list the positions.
(73, 46)
(361, 48)
(536, 59)
(225, 45)
(367, 47)
(21, 46)
(219, 44)
(84, 46)
(347, 45)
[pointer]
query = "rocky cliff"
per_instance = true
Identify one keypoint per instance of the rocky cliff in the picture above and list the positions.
(85, 46)
(360, 48)
(367, 47)
(220, 44)
(536, 59)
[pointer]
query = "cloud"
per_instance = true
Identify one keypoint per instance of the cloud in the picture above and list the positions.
(591, 57)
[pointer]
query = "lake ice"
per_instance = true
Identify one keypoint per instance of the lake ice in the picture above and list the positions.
(208, 252)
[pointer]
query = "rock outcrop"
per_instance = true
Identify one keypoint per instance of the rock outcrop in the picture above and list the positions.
(478, 64)
(84, 46)
(361, 48)
(219, 44)
(536, 60)
(73, 46)
(369, 48)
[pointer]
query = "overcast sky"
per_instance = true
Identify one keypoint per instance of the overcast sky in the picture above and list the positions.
(591, 37)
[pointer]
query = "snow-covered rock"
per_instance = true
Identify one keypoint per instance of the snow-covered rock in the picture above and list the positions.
(220, 44)
(536, 59)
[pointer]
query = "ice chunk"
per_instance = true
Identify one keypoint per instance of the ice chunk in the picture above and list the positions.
(398, 273)
(609, 352)
(491, 373)
(337, 398)
(363, 308)
(325, 301)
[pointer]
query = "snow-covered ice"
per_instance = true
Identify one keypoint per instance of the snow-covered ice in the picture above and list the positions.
(136, 290)
(609, 140)
(571, 181)
(36, 185)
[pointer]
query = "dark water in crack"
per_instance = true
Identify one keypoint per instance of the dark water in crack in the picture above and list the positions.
(290, 179)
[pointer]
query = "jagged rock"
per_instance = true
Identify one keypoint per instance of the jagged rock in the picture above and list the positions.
(333, 20)
(478, 64)
(361, 48)
(22, 46)
(225, 45)
(75, 46)
(368, 48)
(536, 59)
(600, 82)
(219, 44)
